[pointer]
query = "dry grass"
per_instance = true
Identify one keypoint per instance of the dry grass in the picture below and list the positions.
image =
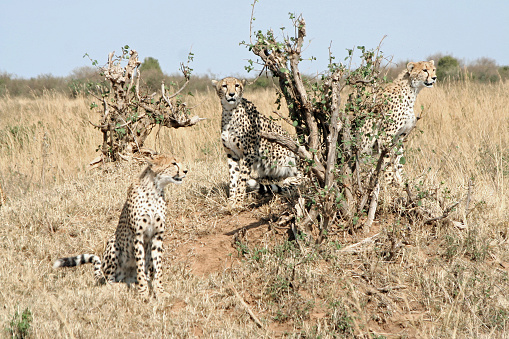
(418, 281)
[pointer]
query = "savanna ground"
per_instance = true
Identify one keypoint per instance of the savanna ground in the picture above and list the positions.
(440, 279)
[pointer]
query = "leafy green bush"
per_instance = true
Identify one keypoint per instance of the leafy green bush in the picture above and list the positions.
(448, 68)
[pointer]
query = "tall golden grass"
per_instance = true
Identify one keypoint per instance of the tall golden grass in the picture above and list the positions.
(443, 282)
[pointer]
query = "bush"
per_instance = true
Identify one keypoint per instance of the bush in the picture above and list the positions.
(448, 68)
(484, 70)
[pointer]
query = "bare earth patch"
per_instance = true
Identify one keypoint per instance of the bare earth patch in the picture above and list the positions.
(214, 251)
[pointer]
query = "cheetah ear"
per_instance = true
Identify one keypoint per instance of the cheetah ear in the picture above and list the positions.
(410, 66)
(154, 160)
(150, 162)
(214, 83)
(243, 82)
(432, 62)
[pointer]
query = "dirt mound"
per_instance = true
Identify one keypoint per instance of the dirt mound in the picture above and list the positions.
(214, 251)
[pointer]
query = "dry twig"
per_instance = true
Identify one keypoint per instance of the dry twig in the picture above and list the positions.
(247, 308)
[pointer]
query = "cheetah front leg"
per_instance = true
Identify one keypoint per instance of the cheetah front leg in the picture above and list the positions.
(156, 265)
(239, 170)
(236, 166)
(394, 167)
(398, 167)
(139, 256)
(234, 171)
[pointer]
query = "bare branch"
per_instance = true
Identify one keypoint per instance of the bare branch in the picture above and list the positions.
(361, 245)
(444, 215)
(301, 151)
(129, 115)
(246, 306)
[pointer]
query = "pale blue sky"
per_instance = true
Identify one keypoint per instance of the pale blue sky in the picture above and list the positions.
(51, 36)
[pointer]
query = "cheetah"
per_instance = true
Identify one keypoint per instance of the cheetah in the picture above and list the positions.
(245, 149)
(133, 254)
(395, 108)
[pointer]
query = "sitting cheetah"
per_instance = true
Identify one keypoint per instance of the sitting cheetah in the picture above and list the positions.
(395, 109)
(133, 253)
(246, 150)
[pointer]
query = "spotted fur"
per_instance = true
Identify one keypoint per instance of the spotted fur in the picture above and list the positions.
(395, 115)
(133, 254)
(246, 150)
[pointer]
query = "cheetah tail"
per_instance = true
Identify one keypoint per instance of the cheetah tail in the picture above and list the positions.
(80, 260)
(262, 189)
(77, 260)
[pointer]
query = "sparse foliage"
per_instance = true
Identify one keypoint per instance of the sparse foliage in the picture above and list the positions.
(325, 138)
(128, 115)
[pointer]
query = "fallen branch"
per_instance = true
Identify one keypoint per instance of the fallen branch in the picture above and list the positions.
(246, 306)
(444, 215)
(380, 290)
(354, 247)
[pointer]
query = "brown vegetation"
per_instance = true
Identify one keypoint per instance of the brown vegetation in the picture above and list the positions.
(129, 114)
(236, 274)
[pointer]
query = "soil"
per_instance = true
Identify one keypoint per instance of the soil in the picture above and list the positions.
(214, 251)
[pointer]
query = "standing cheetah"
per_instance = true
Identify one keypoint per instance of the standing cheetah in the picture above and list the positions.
(133, 253)
(396, 118)
(245, 148)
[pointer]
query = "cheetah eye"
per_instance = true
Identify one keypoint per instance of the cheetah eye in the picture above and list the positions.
(237, 85)
(425, 70)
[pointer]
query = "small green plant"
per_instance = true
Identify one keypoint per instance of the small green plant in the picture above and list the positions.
(19, 326)
(341, 321)
(476, 247)
(452, 247)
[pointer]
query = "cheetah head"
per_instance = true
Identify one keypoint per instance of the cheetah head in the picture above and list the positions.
(422, 73)
(167, 169)
(230, 91)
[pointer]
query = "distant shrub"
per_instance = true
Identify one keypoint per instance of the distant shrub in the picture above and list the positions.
(484, 70)
(504, 72)
(152, 79)
(152, 74)
(150, 63)
(448, 68)
(262, 82)
(85, 80)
